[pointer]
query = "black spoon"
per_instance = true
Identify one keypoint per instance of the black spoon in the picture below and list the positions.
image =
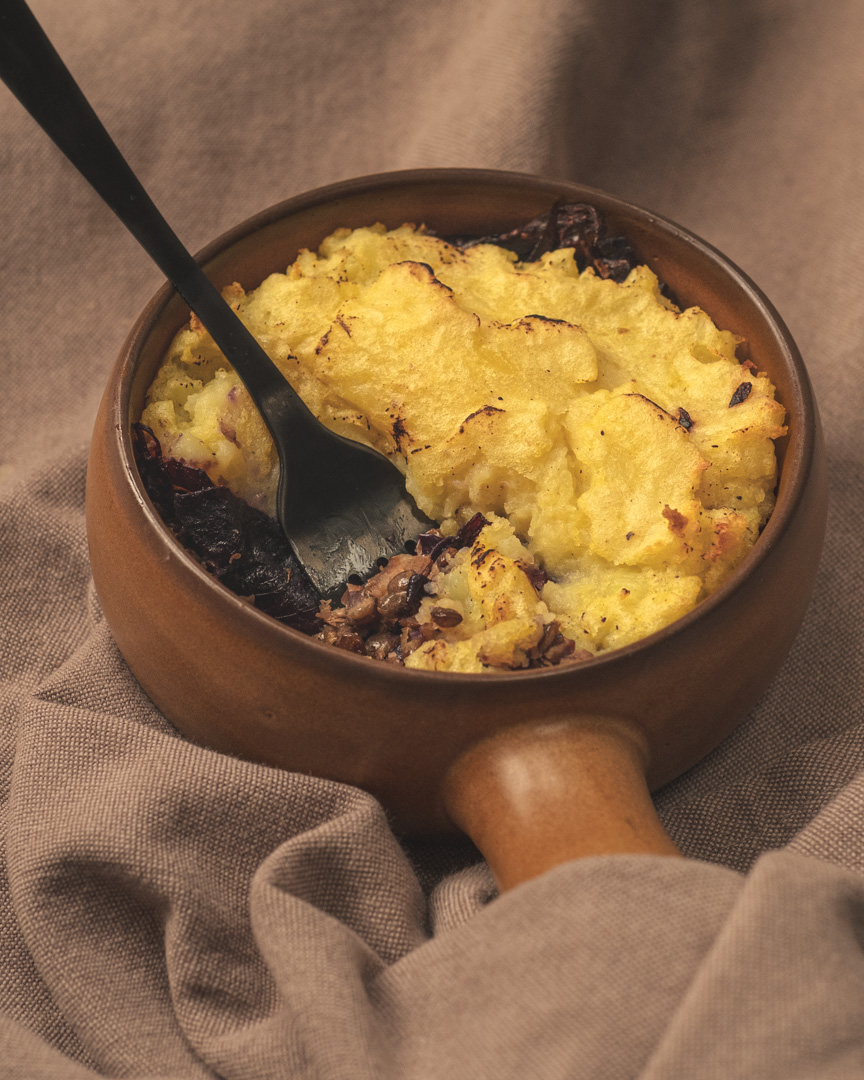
(342, 506)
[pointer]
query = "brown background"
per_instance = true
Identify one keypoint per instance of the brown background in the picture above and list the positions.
(165, 911)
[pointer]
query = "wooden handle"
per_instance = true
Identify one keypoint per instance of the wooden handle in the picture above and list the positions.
(538, 795)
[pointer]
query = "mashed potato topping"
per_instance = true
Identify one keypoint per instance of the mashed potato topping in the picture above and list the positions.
(607, 437)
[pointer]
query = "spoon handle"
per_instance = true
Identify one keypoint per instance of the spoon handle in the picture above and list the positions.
(34, 72)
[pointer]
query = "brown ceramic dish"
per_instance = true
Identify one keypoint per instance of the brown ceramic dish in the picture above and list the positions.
(537, 767)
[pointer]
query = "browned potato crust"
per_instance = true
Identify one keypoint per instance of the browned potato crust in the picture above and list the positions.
(607, 436)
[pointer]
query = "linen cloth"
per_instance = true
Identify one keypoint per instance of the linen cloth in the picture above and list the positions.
(166, 911)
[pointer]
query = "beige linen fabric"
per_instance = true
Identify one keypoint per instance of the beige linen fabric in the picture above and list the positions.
(169, 912)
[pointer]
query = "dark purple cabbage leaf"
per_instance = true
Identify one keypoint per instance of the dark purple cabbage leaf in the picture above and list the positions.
(242, 547)
(565, 225)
